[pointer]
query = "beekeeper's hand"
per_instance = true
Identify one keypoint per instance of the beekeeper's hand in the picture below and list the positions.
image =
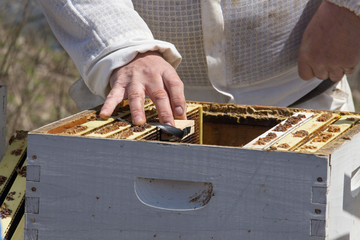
(147, 75)
(330, 45)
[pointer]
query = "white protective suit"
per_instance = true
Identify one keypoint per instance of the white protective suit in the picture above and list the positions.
(243, 52)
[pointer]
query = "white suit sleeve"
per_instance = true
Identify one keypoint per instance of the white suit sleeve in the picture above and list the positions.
(352, 5)
(102, 35)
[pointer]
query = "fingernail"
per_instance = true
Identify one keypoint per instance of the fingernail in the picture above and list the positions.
(103, 115)
(178, 111)
(137, 120)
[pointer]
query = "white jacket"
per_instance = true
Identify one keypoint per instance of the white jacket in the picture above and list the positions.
(232, 51)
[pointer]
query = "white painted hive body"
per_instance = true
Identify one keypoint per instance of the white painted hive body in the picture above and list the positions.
(231, 180)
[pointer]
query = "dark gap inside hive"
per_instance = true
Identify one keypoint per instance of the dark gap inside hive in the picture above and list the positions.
(231, 125)
(230, 134)
(237, 130)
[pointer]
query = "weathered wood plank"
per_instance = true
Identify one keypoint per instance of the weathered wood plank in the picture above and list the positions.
(331, 133)
(257, 194)
(19, 232)
(197, 110)
(11, 160)
(259, 143)
(2, 120)
(343, 211)
(91, 125)
(101, 134)
(304, 132)
(13, 201)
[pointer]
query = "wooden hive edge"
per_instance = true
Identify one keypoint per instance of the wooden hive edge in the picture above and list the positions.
(340, 140)
(63, 121)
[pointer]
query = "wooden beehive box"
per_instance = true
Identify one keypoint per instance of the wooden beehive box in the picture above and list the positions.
(231, 179)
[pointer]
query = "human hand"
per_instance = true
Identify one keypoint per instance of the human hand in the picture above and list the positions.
(330, 46)
(147, 75)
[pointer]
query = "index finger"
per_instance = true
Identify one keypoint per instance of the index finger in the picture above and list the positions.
(115, 96)
(175, 89)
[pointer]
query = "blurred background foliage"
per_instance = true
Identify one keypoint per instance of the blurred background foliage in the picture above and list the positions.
(35, 69)
(38, 72)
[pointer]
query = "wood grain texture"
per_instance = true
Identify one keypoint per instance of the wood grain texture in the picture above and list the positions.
(343, 197)
(331, 133)
(19, 232)
(2, 120)
(86, 190)
(11, 161)
(311, 127)
(278, 134)
(13, 202)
